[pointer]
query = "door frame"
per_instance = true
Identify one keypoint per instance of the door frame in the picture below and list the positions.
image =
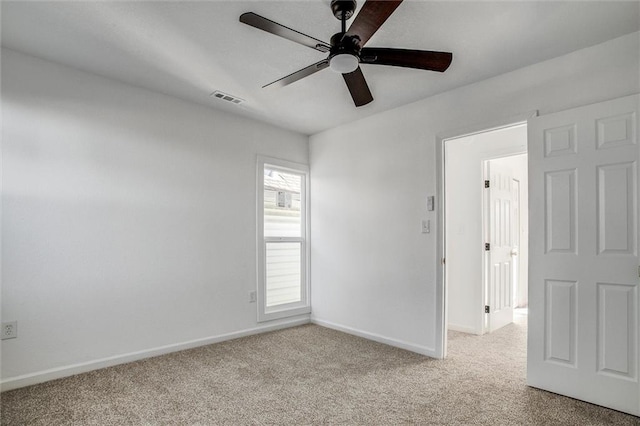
(441, 290)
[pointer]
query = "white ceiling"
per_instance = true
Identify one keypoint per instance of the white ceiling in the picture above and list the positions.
(190, 49)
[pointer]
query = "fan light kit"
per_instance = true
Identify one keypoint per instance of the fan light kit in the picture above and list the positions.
(346, 49)
(344, 63)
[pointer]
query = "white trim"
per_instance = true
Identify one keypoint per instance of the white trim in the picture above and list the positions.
(462, 329)
(283, 164)
(441, 291)
(291, 309)
(284, 311)
(422, 350)
(477, 128)
(83, 367)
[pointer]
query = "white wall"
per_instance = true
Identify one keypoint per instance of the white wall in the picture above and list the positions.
(464, 176)
(373, 272)
(129, 220)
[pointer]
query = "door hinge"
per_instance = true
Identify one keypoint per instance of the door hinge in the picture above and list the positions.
(487, 246)
(487, 184)
(444, 261)
(487, 309)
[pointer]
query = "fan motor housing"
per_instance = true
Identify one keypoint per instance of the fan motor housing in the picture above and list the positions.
(342, 8)
(345, 43)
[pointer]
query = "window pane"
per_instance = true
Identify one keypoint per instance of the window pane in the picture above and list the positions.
(283, 273)
(282, 204)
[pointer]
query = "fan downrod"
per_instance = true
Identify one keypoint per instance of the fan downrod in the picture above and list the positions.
(343, 9)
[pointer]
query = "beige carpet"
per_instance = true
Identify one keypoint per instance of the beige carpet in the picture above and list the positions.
(310, 375)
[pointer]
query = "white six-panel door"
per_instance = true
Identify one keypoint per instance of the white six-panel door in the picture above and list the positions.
(583, 273)
(499, 267)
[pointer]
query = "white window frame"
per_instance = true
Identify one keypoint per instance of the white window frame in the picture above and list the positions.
(304, 305)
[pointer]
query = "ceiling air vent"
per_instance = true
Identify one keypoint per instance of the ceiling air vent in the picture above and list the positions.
(227, 97)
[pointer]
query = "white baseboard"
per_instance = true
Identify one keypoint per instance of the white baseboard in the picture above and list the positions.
(422, 350)
(71, 370)
(462, 328)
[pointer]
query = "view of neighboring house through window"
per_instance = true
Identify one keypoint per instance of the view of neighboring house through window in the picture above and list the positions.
(282, 289)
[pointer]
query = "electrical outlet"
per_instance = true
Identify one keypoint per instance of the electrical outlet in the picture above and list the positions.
(252, 297)
(9, 330)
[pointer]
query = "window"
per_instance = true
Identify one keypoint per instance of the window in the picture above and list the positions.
(283, 255)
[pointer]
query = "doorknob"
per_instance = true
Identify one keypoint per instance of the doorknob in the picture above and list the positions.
(514, 251)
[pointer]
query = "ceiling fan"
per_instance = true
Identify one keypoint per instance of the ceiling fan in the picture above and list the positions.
(346, 48)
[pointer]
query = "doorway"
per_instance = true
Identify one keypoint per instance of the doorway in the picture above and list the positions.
(486, 228)
(585, 308)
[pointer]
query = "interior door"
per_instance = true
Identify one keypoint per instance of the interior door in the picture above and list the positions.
(583, 275)
(499, 262)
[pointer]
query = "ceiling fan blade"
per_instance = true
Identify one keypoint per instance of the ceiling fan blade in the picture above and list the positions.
(298, 75)
(421, 59)
(358, 87)
(371, 16)
(269, 26)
